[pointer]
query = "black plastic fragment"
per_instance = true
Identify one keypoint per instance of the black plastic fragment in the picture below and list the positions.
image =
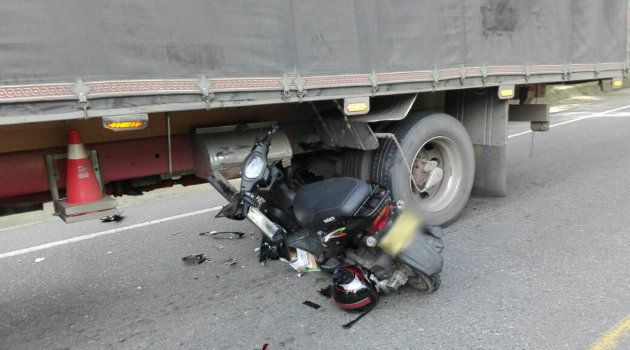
(195, 259)
(311, 304)
(215, 233)
(351, 323)
(327, 292)
(110, 218)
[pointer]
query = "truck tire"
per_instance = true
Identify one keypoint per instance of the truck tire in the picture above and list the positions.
(358, 164)
(428, 137)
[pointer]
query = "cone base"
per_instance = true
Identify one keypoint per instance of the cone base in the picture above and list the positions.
(80, 212)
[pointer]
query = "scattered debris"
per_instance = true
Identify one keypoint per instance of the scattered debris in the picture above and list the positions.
(311, 304)
(195, 259)
(218, 246)
(38, 260)
(133, 335)
(176, 233)
(115, 217)
(216, 233)
(306, 262)
(327, 292)
(351, 323)
(230, 261)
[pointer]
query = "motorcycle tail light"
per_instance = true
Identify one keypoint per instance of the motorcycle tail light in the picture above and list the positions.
(381, 219)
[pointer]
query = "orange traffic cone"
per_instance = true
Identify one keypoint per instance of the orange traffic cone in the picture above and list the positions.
(81, 184)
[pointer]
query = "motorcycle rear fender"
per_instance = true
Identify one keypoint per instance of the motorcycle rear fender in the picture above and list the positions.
(423, 252)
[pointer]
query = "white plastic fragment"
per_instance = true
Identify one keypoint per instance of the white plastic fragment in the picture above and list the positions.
(38, 260)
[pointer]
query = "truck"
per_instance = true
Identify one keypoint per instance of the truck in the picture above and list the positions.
(413, 94)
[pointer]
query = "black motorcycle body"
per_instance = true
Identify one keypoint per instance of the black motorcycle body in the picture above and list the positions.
(341, 221)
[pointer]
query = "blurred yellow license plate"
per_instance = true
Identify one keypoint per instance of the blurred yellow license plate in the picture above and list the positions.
(400, 234)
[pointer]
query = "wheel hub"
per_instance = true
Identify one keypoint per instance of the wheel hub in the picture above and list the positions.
(437, 171)
(427, 171)
(433, 175)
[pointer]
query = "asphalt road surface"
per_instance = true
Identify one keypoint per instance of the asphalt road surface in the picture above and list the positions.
(547, 267)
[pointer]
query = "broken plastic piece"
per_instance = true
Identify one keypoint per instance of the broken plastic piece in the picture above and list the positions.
(195, 259)
(230, 261)
(351, 323)
(311, 304)
(110, 218)
(327, 292)
(214, 233)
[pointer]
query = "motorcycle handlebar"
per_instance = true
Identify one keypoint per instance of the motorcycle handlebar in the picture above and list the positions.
(267, 139)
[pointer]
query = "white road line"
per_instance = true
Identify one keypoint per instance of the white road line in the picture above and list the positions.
(595, 115)
(103, 233)
(615, 115)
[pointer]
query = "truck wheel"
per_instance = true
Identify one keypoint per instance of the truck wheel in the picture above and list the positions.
(358, 164)
(429, 141)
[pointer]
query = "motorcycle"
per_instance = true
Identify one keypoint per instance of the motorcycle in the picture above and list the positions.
(350, 227)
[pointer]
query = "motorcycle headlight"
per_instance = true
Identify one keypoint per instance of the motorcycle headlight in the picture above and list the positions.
(254, 167)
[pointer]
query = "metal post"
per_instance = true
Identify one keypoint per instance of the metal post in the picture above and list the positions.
(168, 141)
(51, 169)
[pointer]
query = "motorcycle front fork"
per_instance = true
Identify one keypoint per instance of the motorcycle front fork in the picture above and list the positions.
(275, 234)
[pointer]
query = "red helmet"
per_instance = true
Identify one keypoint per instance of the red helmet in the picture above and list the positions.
(353, 289)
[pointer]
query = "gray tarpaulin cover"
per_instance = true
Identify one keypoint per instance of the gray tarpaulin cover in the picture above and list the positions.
(42, 40)
(60, 41)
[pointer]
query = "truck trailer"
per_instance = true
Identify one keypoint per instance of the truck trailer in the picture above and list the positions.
(413, 94)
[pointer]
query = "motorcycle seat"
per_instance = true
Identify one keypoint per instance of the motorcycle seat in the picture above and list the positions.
(320, 203)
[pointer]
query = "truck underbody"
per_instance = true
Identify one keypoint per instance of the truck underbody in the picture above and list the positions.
(301, 79)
